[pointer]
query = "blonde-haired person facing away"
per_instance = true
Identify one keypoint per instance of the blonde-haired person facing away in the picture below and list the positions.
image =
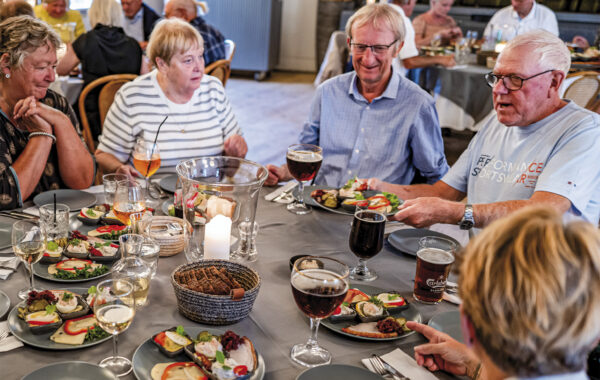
(530, 308)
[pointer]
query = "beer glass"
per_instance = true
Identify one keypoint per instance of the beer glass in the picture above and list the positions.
(303, 162)
(434, 259)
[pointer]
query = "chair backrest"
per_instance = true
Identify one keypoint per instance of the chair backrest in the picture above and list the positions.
(229, 50)
(105, 99)
(221, 69)
(584, 90)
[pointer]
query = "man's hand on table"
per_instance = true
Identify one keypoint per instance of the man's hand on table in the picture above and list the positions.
(425, 211)
(443, 352)
(277, 174)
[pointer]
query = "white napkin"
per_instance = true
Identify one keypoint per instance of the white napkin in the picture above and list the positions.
(33, 210)
(452, 298)
(10, 342)
(12, 263)
(404, 364)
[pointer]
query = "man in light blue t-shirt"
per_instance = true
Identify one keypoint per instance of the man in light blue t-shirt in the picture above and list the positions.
(535, 149)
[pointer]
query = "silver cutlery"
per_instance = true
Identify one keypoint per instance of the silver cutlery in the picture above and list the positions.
(381, 365)
(156, 192)
(17, 215)
(451, 287)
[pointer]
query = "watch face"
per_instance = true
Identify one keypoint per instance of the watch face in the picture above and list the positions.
(466, 225)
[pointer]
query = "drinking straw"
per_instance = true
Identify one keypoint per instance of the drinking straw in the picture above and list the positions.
(54, 207)
(154, 145)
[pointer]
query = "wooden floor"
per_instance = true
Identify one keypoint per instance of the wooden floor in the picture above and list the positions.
(271, 114)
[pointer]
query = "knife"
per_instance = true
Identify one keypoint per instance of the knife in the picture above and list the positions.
(18, 214)
(391, 369)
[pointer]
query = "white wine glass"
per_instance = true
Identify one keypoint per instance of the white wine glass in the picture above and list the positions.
(114, 308)
(129, 199)
(29, 243)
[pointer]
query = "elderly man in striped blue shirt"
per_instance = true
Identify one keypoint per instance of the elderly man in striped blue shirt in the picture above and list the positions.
(373, 122)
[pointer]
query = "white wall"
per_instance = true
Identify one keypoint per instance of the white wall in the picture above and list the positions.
(297, 51)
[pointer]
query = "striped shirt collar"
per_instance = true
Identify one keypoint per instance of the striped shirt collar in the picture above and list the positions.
(391, 91)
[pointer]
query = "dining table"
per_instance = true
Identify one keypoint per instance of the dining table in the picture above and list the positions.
(275, 323)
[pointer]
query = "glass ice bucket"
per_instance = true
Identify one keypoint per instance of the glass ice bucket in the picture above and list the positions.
(219, 194)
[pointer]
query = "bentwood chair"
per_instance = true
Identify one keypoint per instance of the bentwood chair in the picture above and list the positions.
(111, 84)
(584, 90)
(221, 69)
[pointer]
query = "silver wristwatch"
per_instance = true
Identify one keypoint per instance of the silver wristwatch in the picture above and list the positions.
(467, 222)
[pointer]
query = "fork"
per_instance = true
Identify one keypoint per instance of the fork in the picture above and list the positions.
(379, 368)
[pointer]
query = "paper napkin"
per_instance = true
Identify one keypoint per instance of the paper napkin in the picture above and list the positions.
(10, 342)
(9, 265)
(404, 364)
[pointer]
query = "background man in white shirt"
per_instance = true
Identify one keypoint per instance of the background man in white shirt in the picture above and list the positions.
(524, 16)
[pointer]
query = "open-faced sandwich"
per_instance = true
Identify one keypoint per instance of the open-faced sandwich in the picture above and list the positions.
(352, 187)
(172, 342)
(92, 216)
(75, 269)
(110, 232)
(52, 254)
(177, 371)
(77, 248)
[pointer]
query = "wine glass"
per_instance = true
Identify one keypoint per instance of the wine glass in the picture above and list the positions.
(146, 159)
(366, 240)
(29, 243)
(114, 308)
(317, 292)
(303, 162)
(129, 199)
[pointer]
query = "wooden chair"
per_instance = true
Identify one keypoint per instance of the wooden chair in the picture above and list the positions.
(221, 69)
(585, 89)
(111, 83)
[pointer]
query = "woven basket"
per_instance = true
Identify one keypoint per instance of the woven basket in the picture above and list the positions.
(169, 245)
(212, 309)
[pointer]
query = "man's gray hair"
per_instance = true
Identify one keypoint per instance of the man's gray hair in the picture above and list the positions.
(545, 48)
(380, 16)
(22, 35)
(105, 12)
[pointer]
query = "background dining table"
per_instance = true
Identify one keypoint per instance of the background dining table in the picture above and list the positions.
(275, 323)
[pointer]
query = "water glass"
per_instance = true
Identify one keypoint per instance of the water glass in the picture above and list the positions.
(247, 246)
(110, 185)
(149, 254)
(141, 222)
(55, 222)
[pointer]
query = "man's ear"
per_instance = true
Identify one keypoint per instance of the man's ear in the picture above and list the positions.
(400, 45)
(558, 78)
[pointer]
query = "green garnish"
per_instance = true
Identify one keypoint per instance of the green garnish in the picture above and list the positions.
(226, 368)
(75, 242)
(92, 290)
(350, 183)
(180, 331)
(204, 336)
(80, 273)
(220, 357)
(100, 245)
(51, 246)
(67, 296)
(392, 296)
(345, 304)
(376, 301)
(50, 309)
(95, 333)
(358, 196)
(90, 212)
(393, 198)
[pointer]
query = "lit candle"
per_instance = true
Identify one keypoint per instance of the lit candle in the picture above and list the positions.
(216, 238)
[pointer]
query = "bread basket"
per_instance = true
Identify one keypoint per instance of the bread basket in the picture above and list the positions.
(217, 309)
(169, 244)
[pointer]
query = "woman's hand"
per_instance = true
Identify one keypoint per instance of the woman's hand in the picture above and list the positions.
(128, 170)
(235, 146)
(443, 353)
(27, 114)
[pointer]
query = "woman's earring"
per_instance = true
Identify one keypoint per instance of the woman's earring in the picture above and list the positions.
(7, 76)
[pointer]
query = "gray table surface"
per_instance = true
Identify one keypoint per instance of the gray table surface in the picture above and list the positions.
(275, 323)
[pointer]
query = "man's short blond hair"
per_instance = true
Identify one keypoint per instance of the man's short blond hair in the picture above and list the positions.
(172, 36)
(22, 35)
(529, 285)
(379, 16)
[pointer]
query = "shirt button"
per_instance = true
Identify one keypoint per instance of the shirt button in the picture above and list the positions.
(349, 171)
(357, 151)
(362, 129)
(368, 107)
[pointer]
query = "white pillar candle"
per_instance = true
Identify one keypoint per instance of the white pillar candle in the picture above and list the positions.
(216, 238)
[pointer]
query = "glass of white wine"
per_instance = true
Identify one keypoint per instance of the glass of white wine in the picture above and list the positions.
(29, 243)
(129, 199)
(114, 308)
